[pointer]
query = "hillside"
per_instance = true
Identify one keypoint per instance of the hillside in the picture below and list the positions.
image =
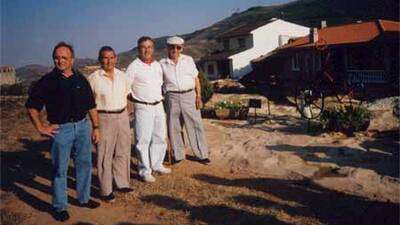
(31, 72)
(305, 12)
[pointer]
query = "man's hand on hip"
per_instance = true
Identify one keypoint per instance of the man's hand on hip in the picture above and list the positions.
(49, 131)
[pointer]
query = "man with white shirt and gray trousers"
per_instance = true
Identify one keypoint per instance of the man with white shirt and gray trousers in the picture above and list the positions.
(146, 77)
(183, 92)
(111, 88)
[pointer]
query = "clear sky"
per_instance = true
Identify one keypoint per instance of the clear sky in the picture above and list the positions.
(30, 28)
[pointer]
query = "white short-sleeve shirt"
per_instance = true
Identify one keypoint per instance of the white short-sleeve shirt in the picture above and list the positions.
(180, 76)
(110, 94)
(146, 80)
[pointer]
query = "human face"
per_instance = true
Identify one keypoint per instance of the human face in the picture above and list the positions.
(108, 60)
(174, 51)
(146, 50)
(63, 59)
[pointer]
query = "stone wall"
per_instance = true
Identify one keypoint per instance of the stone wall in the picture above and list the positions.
(7, 75)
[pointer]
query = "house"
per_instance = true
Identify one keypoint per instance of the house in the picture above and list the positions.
(7, 75)
(361, 52)
(237, 47)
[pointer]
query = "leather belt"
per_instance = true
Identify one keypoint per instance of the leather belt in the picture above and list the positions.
(73, 120)
(181, 92)
(146, 103)
(111, 111)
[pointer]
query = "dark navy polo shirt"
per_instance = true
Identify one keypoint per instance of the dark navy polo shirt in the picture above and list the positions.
(65, 99)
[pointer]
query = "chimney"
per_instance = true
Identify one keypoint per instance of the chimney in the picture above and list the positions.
(313, 35)
(323, 24)
(283, 39)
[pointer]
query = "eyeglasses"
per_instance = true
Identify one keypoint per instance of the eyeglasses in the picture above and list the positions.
(177, 47)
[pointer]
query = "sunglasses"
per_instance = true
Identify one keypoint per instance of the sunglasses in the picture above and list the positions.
(177, 47)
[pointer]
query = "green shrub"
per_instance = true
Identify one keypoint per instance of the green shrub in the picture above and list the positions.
(207, 89)
(228, 105)
(348, 119)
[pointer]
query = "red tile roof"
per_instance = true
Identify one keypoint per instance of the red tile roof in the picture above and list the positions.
(389, 26)
(348, 34)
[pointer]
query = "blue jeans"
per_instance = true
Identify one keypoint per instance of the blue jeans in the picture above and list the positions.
(72, 138)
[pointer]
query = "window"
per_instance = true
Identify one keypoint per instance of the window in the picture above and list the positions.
(362, 58)
(226, 44)
(296, 62)
(317, 61)
(210, 69)
(242, 42)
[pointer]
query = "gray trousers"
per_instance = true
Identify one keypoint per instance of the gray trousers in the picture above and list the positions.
(184, 106)
(114, 151)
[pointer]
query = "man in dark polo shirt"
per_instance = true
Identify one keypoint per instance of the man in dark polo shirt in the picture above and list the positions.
(67, 97)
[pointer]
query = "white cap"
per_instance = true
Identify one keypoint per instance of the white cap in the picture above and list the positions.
(175, 40)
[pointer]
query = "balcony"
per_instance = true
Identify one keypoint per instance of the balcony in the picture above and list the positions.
(366, 76)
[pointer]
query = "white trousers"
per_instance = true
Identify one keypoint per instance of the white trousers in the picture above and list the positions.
(151, 134)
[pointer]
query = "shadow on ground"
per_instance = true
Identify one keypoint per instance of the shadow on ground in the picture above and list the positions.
(380, 154)
(311, 200)
(20, 168)
(212, 214)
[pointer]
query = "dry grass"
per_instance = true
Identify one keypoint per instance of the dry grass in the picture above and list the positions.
(192, 194)
(11, 217)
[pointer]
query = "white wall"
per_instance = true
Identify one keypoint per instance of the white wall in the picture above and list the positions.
(234, 43)
(265, 39)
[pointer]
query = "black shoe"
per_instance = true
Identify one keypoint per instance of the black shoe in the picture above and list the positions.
(125, 190)
(108, 198)
(205, 161)
(90, 204)
(61, 215)
(174, 161)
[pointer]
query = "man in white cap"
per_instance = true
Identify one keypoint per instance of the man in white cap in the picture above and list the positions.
(183, 90)
(146, 77)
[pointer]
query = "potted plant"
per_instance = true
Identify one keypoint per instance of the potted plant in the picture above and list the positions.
(230, 109)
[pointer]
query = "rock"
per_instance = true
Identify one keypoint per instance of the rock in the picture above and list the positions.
(321, 155)
(369, 179)
(296, 164)
(383, 103)
(390, 180)
(364, 174)
(345, 171)
(271, 162)
(389, 188)
(289, 160)
(325, 135)
(383, 120)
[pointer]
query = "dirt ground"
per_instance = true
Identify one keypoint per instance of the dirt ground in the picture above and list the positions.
(271, 172)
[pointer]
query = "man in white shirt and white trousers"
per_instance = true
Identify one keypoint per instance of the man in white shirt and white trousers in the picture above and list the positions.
(146, 77)
(183, 90)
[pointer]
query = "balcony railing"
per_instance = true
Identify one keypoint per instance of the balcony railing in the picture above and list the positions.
(366, 76)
